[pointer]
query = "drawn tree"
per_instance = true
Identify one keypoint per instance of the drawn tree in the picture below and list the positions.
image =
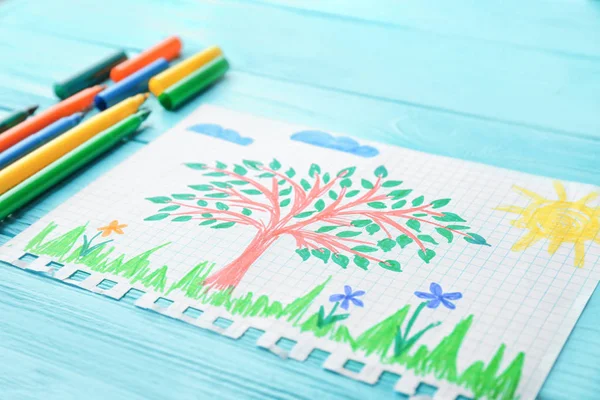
(333, 218)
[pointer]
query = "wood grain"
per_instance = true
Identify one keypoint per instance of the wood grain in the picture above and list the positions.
(510, 84)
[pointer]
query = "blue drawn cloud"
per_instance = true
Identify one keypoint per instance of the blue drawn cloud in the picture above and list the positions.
(341, 143)
(217, 131)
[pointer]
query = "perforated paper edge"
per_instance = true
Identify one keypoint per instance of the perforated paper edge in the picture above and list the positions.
(274, 331)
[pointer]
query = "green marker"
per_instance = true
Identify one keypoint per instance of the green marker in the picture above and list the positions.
(16, 118)
(187, 88)
(68, 164)
(91, 76)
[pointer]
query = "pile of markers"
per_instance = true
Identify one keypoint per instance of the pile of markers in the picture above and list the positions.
(38, 151)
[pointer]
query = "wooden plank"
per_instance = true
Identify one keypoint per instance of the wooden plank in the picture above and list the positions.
(491, 80)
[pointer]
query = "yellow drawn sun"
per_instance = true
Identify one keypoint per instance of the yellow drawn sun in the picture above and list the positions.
(558, 221)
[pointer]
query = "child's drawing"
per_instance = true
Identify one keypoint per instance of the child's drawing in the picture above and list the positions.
(558, 221)
(331, 216)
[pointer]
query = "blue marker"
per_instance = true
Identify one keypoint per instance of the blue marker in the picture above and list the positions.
(132, 85)
(38, 139)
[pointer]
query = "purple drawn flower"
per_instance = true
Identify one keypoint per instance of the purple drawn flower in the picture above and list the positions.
(437, 296)
(347, 297)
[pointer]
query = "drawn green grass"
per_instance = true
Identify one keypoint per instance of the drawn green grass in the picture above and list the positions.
(485, 380)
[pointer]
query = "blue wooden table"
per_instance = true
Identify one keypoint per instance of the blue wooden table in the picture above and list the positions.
(514, 84)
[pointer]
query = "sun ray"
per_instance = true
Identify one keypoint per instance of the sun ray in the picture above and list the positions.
(511, 209)
(556, 222)
(554, 245)
(583, 201)
(579, 254)
(526, 241)
(529, 193)
(560, 190)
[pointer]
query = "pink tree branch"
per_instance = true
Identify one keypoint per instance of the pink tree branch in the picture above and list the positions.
(205, 210)
(404, 230)
(332, 244)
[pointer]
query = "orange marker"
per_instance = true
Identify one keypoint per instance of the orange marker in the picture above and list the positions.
(168, 49)
(78, 102)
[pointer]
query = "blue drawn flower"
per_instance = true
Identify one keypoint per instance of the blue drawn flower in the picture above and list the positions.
(347, 297)
(437, 296)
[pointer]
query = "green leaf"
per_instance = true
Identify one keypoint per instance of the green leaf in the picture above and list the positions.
(251, 191)
(345, 183)
(445, 233)
(346, 172)
(386, 244)
(303, 253)
(216, 174)
(340, 260)
(376, 204)
(476, 239)
(391, 184)
(364, 249)
(207, 222)
(450, 217)
(202, 203)
(285, 192)
(314, 168)
(417, 201)
(238, 182)
(304, 214)
(217, 195)
(366, 184)
(222, 206)
(427, 238)
(266, 175)
(169, 208)
(285, 203)
(371, 229)
(414, 225)
(320, 205)
(403, 240)
(398, 204)
(359, 223)
(426, 255)
(275, 165)
(381, 172)
(221, 185)
(221, 165)
(440, 203)
(252, 164)
(238, 169)
(322, 254)
(196, 166)
(326, 228)
(352, 193)
(400, 193)
(159, 199)
(290, 173)
(223, 225)
(348, 234)
(391, 265)
(419, 215)
(206, 215)
(201, 188)
(326, 177)
(182, 218)
(304, 183)
(333, 195)
(458, 227)
(246, 211)
(157, 217)
(361, 262)
(183, 196)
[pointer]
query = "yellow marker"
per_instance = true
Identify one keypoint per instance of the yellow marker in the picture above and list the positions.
(52, 151)
(160, 82)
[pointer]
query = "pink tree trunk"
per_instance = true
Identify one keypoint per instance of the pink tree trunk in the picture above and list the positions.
(230, 275)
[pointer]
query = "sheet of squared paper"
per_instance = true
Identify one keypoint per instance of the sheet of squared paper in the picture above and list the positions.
(476, 294)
